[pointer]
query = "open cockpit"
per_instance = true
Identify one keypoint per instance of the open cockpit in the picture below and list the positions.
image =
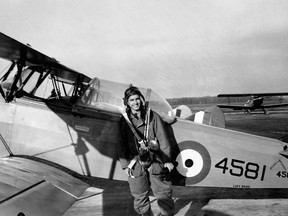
(68, 88)
(43, 84)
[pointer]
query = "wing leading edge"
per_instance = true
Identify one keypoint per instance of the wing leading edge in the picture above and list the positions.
(239, 107)
(13, 50)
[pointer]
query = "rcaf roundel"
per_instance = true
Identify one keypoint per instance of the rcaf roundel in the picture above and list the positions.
(194, 161)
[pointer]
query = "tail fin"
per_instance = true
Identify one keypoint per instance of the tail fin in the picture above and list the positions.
(181, 111)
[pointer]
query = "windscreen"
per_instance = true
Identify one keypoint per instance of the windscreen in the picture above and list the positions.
(108, 96)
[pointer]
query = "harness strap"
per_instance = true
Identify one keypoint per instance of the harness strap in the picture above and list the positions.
(147, 121)
(132, 127)
(143, 144)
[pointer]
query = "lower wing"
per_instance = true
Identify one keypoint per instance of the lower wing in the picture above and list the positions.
(31, 187)
(275, 105)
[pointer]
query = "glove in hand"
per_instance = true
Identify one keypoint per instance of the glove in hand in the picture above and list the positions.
(165, 174)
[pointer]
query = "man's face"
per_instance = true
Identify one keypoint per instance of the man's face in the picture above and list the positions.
(134, 102)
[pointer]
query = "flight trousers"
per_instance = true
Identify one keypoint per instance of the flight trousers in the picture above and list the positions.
(142, 181)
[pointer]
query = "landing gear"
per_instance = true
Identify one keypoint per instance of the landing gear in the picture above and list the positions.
(247, 111)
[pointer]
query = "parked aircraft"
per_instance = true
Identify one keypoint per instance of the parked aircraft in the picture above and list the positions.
(54, 119)
(255, 103)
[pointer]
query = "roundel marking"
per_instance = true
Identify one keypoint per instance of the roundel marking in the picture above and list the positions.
(194, 161)
(187, 166)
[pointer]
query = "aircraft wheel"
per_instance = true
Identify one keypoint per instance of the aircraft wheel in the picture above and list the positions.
(194, 161)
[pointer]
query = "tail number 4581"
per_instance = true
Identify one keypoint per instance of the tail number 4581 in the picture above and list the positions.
(241, 168)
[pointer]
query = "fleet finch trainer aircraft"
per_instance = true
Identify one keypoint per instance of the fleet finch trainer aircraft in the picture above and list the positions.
(255, 103)
(57, 124)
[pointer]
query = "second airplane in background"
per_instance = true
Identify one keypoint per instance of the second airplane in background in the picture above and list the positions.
(255, 103)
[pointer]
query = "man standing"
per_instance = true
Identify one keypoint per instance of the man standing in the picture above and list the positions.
(145, 154)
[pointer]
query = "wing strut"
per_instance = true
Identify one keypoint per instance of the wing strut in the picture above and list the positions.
(41, 78)
(12, 92)
(5, 76)
(55, 86)
(6, 145)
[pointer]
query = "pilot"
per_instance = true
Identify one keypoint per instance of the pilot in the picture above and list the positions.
(145, 154)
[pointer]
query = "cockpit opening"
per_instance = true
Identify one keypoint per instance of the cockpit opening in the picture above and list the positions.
(108, 96)
(42, 83)
(75, 89)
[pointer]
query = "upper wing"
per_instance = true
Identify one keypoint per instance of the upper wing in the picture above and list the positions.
(253, 94)
(35, 188)
(13, 50)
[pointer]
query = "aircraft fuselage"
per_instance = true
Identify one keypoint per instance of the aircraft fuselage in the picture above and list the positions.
(86, 142)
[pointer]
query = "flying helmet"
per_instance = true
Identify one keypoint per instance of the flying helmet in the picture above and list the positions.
(132, 90)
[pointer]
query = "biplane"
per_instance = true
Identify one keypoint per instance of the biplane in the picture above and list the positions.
(254, 103)
(54, 119)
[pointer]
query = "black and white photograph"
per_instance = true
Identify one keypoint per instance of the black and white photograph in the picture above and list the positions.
(143, 107)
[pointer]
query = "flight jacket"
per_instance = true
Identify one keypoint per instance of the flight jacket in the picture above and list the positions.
(128, 146)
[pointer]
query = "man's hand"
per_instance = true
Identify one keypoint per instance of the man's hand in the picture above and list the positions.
(165, 175)
(169, 165)
(128, 171)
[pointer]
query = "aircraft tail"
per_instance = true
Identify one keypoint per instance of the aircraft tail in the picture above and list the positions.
(181, 111)
(211, 116)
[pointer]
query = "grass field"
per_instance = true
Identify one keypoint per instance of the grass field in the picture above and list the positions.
(273, 125)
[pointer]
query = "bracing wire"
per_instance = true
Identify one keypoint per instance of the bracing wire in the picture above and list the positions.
(6, 145)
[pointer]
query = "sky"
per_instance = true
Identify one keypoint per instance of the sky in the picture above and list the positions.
(179, 48)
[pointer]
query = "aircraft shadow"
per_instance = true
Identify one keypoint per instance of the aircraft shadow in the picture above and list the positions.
(195, 208)
(113, 197)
